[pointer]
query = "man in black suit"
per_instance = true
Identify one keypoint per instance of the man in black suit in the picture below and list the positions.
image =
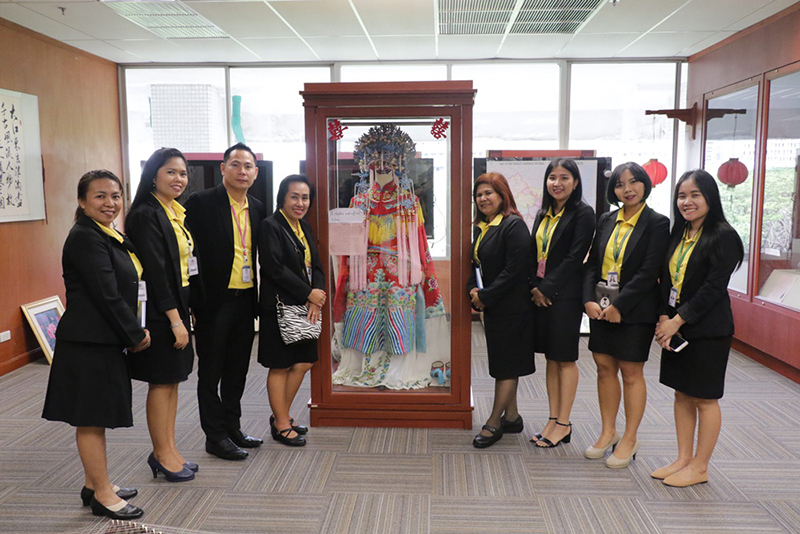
(224, 222)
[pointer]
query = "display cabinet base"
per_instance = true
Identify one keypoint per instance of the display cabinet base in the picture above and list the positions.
(411, 417)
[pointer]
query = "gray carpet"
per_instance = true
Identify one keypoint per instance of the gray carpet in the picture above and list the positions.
(417, 480)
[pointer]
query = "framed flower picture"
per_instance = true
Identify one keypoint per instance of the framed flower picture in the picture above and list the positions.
(43, 316)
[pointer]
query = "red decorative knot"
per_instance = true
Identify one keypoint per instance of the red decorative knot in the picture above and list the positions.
(439, 128)
(732, 173)
(335, 129)
(656, 170)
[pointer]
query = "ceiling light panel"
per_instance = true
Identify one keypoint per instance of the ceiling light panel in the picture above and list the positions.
(170, 20)
(474, 17)
(553, 16)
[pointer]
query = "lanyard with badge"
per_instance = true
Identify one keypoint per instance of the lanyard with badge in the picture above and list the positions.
(616, 250)
(540, 269)
(246, 274)
(673, 292)
(191, 261)
(142, 298)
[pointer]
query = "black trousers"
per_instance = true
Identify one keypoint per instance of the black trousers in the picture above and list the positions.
(224, 344)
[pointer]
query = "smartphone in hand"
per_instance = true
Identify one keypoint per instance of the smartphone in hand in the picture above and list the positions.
(677, 343)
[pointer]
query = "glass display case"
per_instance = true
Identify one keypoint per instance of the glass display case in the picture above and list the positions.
(391, 164)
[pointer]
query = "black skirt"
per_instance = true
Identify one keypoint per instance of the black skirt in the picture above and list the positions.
(699, 369)
(558, 330)
(161, 362)
(89, 385)
(273, 352)
(623, 341)
(509, 343)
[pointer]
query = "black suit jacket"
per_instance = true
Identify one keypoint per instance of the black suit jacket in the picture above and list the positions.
(283, 266)
(568, 246)
(505, 264)
(151, 231)
(102, 288)
(208, 216)
(704, 301)
(638, 299)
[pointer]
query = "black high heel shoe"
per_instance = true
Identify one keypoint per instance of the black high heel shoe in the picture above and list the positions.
(128, 512)
(283, 437)
(183, 475)
(122, 493)
(539, 436)
(566, 439)
(191, 466)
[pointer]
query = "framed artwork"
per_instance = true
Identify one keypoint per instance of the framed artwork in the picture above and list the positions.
(43, 316)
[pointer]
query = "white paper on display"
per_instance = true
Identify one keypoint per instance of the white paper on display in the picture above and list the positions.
(346, 231)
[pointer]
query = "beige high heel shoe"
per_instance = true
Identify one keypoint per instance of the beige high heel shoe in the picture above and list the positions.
(612, 462)
(595, 453)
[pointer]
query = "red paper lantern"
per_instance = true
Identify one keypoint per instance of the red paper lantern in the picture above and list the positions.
(733, 172)
(656, 170)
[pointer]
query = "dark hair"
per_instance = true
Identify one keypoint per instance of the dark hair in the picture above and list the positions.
(499, 183)
(577, 195)
(715, 221)
(238, 146)
(88, 178)
(638, 173)
(283, 188)
(148, 180)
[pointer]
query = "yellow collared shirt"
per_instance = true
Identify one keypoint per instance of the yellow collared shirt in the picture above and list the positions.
(619, 240)
(116, 235)
(184, 238)
(484, 226)
(548, 227)
(685, 248)
(241, 255)
(301, 236)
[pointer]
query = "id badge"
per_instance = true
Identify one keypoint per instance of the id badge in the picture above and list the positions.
(540, 268)
(142, 295)
(613, 278)
(308, 274)
(246, 276)
(673, 297)
(193, 270)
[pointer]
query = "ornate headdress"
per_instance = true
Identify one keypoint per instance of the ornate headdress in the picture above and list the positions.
(384, 142)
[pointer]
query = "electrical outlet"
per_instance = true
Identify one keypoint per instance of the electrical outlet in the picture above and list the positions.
(5, 336)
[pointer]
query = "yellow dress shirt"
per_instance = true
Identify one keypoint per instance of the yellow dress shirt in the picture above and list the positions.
(619, 241)
(546, 230)
(682, 253)
(484, 226)
(116, 235)
(301, 236)
(185, 242)
(241, 255)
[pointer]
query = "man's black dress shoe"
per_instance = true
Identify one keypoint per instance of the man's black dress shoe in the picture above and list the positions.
(128, 512)
(122, 493)
(225, 449)
(512, 427)
(243, 440)
(481, 441)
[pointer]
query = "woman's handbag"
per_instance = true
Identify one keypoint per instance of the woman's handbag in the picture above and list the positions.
(294, 325)
(605, 294)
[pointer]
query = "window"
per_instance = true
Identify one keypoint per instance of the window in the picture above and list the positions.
(393, 73)
(779, 265)
(730, 150)
(607, 106)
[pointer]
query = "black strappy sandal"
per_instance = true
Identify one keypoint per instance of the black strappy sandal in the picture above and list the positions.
(538, 436)
(549, 444)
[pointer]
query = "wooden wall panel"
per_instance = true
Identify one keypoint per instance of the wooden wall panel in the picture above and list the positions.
(80, 130)
(767, 333)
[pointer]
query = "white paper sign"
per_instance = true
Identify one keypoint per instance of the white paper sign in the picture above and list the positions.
(346, 232)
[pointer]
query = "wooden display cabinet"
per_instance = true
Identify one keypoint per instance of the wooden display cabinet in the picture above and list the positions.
(393, 372)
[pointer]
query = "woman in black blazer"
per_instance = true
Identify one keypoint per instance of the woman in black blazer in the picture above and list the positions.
(620, 295)
(156, 226)
(498, 286)
(703, 254)
(291, 271)
(560, 239)
(89, 385)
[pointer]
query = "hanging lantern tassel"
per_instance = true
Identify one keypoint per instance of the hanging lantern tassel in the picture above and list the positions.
(656, 170)
(732, 173)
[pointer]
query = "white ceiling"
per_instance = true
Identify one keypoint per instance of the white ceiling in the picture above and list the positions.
(387, 30)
